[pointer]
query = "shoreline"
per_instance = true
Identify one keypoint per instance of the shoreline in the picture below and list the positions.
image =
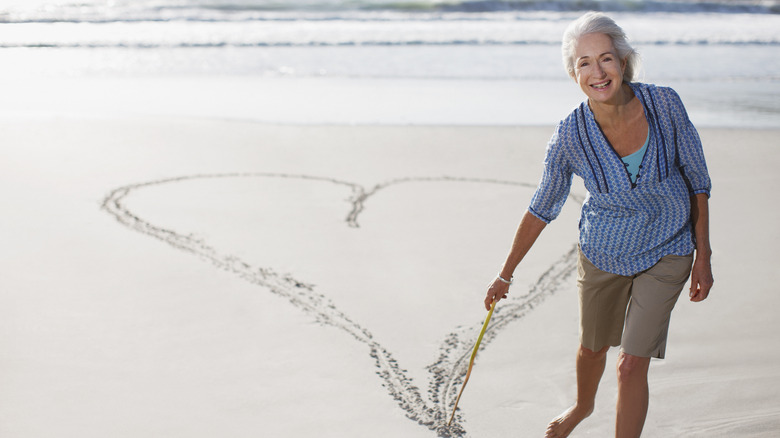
(361, 101)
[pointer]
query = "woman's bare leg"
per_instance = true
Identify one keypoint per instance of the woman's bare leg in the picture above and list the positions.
(590, 368)
(633, 394)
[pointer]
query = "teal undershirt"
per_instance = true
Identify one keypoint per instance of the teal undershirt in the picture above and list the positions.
(634, 160)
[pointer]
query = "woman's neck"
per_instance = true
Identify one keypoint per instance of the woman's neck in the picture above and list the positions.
(617, 110)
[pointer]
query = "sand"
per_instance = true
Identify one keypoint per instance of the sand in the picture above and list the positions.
(182, 277)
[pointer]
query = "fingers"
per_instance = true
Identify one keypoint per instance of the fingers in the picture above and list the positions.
(700, 287)
(694, 290)
(489, 300)
(700, 293)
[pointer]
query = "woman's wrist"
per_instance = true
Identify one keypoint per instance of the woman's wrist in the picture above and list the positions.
(505, 280)
(703, 253)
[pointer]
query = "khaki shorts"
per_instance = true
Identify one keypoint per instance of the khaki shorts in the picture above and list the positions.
(630, 311)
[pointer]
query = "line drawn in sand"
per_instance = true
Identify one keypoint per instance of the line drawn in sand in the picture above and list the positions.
(447, 372)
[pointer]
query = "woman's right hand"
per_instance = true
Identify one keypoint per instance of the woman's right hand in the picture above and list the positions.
(496, 291)
(529, 229)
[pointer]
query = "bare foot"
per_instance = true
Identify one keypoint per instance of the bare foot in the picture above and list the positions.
(563, 424)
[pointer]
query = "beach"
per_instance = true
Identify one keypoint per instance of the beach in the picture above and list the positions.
(108, 330)
(238, 221)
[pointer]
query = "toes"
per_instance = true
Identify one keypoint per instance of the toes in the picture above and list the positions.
(551, 429)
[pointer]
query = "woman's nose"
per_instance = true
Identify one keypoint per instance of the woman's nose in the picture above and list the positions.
(599, 71)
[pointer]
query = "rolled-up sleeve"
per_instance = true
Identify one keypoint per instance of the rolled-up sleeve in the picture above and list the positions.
(690, 153)
(555, 183)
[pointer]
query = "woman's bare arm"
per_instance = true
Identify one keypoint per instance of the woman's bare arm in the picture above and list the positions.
(529, 229)
(701, 274)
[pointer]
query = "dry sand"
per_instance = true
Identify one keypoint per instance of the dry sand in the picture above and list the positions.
(268, 280)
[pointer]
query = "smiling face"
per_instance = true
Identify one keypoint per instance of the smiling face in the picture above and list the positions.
(597, 68)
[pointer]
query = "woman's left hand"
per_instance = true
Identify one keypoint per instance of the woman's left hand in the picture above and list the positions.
(701, 279)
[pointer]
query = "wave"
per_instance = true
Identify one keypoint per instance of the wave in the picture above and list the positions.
(615, 6)
(663, 29)
(221, 44)
(96, 11)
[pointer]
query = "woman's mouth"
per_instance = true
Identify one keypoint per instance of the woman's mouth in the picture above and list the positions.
(602, 85)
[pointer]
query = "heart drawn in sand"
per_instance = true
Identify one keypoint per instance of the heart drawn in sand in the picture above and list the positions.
(331, 303)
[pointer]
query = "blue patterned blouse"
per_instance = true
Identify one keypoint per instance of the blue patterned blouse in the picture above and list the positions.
(626, 227)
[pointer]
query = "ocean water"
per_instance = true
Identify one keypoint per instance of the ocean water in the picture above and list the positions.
(499, 60)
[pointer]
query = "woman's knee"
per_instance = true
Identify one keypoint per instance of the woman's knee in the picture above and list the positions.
(587, 353)
(630, 367)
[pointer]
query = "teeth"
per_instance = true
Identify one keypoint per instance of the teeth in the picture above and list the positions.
(604, 85)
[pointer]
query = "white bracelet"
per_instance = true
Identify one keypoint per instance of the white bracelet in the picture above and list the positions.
(511, 279)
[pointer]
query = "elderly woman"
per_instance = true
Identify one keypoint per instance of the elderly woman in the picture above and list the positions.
(645, 217)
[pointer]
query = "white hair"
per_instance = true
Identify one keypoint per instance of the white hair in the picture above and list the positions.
(596, 22)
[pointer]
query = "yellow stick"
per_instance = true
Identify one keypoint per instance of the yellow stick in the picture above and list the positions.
(471, 363)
